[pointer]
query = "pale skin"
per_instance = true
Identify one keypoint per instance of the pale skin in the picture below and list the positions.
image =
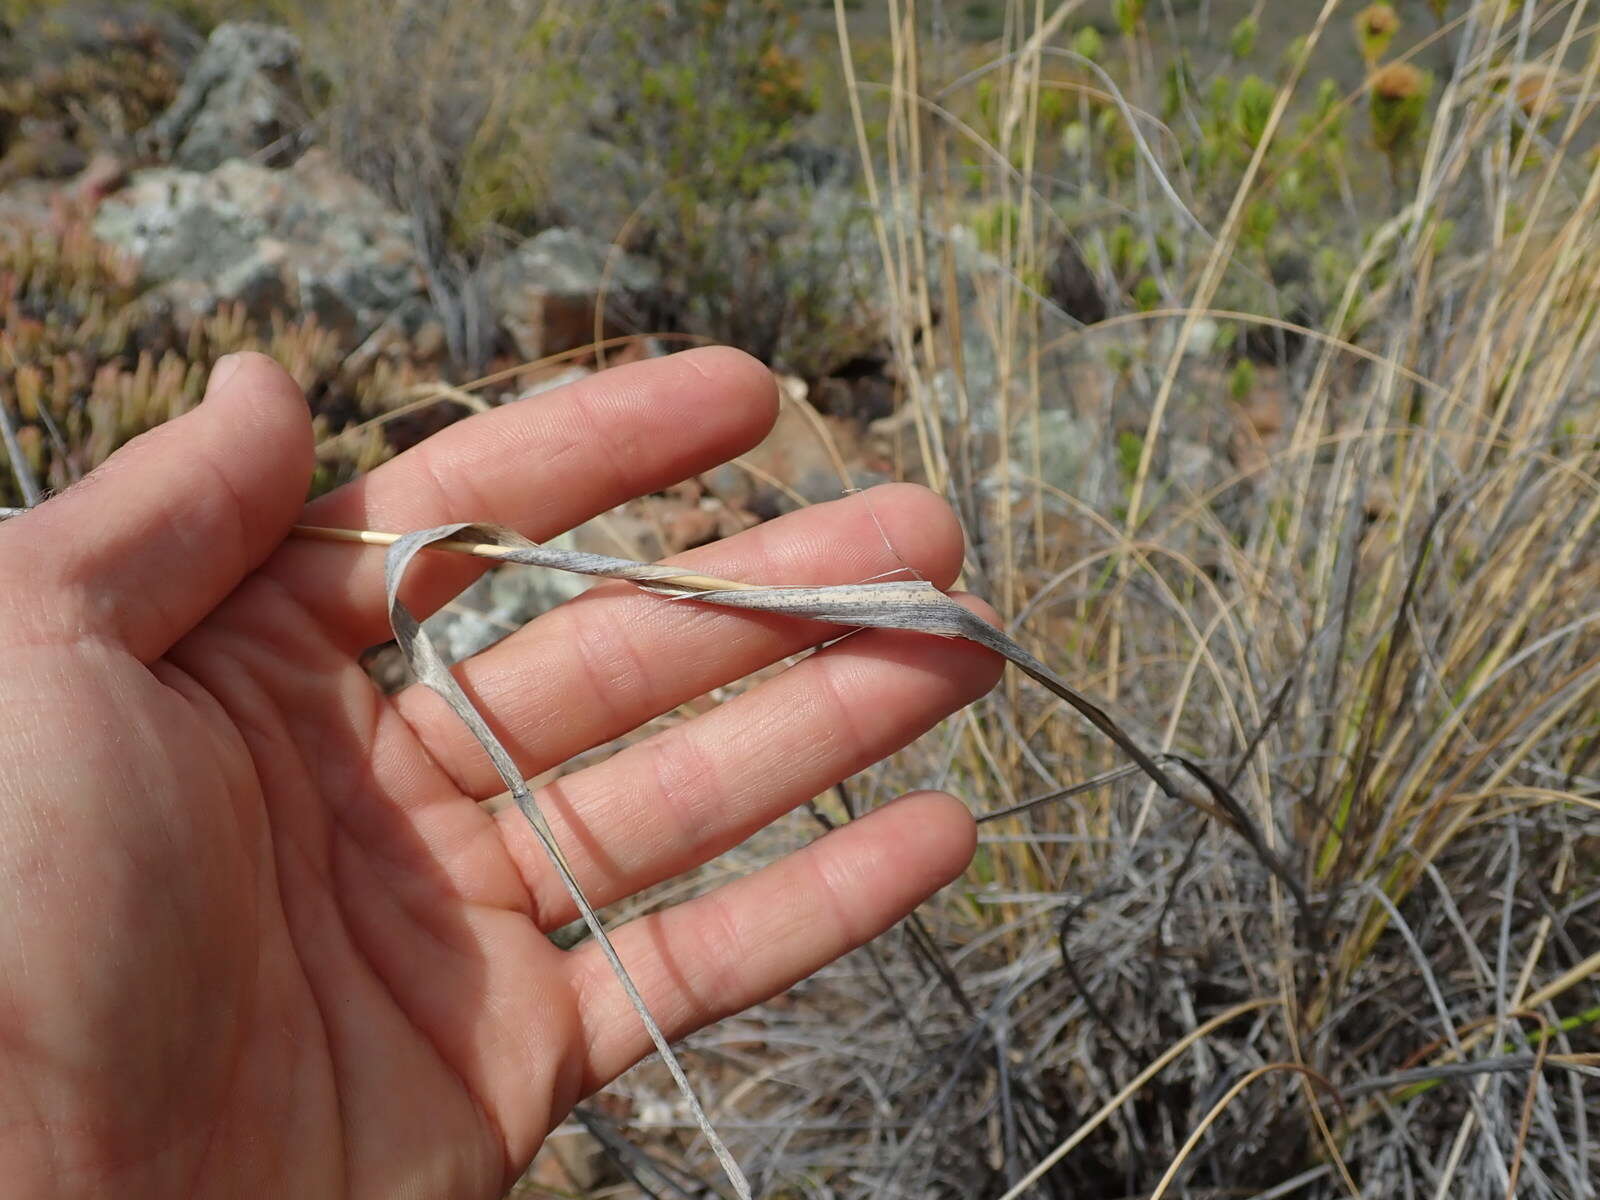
(260, 935)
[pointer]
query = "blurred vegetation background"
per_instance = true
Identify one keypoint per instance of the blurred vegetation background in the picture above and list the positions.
(1255, 344)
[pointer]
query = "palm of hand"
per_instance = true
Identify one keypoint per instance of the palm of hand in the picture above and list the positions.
(264, 939)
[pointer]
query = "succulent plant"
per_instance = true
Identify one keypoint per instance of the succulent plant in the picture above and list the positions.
(1242, 41)
(90, 360)
(1088, 43)
(1399, 102)
(1376, 26)
(1128, 14)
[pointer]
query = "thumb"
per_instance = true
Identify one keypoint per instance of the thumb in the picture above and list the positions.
(153, 539)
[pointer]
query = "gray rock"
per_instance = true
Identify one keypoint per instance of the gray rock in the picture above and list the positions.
(1193, 466)
(1070, 297)
(240, 98)
(1066, 447)
(546, 290)
(310, 238)
(979, 277)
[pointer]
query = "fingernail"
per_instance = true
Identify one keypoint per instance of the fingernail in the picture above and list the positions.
(222, 371)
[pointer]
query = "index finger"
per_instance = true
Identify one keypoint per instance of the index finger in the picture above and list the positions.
(540, 466)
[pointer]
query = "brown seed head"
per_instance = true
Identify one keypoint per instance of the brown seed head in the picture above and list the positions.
(1398, 81)
(1377, 20)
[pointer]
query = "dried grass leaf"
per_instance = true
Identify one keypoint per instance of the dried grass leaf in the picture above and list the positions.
(434, 673)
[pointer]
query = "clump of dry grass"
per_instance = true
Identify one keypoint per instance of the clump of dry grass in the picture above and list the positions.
(1371, 621)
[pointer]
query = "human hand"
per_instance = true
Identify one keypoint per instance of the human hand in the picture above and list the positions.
(260, 937)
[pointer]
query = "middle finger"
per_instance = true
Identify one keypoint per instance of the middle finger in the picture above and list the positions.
(615, 657)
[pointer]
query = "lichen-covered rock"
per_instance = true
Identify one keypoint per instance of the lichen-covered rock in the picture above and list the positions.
(310, 239)
(547, 289)
(241, 98)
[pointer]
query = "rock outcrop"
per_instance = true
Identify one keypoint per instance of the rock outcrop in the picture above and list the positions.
(546, 291)
(309, 238)
(240, 99)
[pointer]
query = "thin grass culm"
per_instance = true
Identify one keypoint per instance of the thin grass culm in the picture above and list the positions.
(433, 672)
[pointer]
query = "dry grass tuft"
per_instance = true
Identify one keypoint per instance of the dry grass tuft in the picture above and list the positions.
(1370, 620)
